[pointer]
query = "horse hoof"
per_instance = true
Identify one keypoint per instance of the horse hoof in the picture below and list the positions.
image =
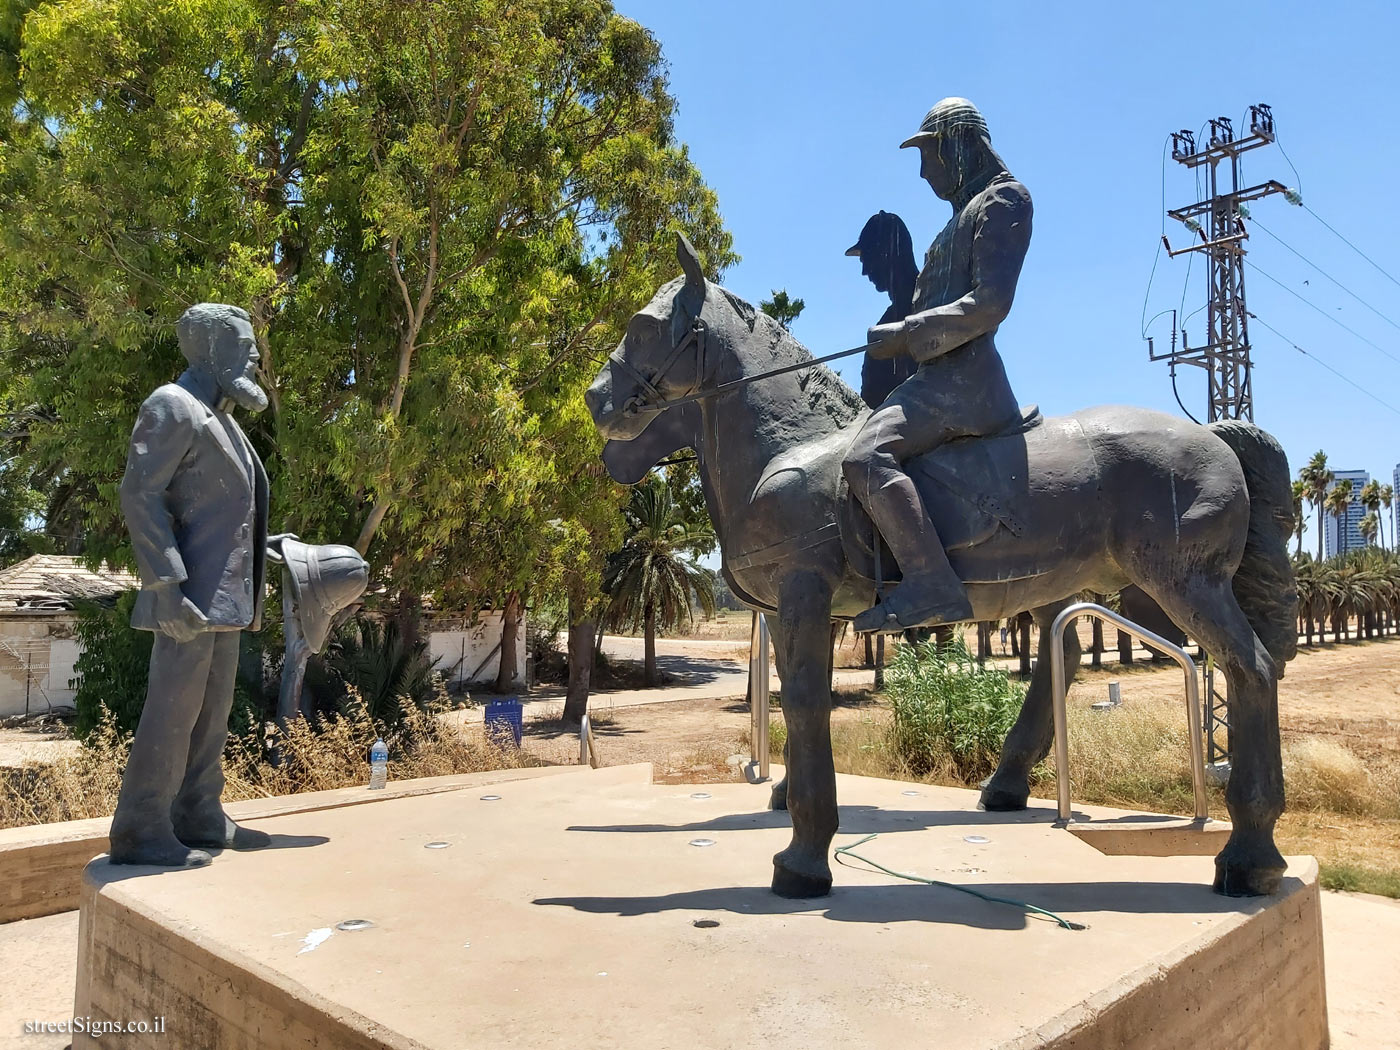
(1002, 800)
(796, 885)
(777, 801)
(1240, 874)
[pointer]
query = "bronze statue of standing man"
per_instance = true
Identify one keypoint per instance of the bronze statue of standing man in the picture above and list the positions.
(960, 389)
(195, 499)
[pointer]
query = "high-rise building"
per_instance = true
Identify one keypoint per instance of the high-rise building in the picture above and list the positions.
(1338, 537)
(1395, 508)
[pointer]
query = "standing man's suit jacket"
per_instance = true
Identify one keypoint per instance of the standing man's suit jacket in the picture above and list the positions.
(195, 500)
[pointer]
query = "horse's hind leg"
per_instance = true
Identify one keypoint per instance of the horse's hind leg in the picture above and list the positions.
(1250, 863)
(1030, 738)
(777, 799)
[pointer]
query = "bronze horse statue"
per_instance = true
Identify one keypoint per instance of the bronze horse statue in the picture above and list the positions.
(1197, 516)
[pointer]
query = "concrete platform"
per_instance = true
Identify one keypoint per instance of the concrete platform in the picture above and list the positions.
(574, 912)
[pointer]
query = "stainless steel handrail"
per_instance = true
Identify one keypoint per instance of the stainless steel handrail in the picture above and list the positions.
(758, 694)
(1058, 689)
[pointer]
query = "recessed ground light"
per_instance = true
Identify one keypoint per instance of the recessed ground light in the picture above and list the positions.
(354, 924)
(705, 924)
(490, 798)
(976, 840)
(436, 845)
(702, 842)
(910, 792)
(701, 795)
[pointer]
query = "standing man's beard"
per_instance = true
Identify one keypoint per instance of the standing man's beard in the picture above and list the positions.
(245, 392)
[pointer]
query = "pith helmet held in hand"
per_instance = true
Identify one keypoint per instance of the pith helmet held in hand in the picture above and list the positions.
(325, 579)
(945, 116)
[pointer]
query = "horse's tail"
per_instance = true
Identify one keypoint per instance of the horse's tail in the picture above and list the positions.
(1264, 584)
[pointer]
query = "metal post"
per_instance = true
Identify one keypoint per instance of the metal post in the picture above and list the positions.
(758, 694)
(587, 754)
(1057, 684)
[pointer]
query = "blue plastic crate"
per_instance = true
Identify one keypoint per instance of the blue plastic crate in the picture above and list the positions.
(505, 720)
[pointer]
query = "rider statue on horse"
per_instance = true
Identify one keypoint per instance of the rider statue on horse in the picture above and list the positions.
(960, 388)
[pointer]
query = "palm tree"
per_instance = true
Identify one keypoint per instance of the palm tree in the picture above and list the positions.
(1387, 498)
(1371, 500)
(1368, 526)
(651, 581)
(1317, 476)
(1337, 501)
(1300, 492)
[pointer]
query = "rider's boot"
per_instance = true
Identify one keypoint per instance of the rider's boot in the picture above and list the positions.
(929, 592)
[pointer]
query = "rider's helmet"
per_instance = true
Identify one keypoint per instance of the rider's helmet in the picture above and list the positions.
(943, 117)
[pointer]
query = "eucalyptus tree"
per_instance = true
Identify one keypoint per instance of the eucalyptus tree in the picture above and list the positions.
(440, 215)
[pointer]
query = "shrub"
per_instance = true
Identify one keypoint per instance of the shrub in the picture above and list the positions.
(369, 667)
(113, 671)
(948, 711)
(112, 667)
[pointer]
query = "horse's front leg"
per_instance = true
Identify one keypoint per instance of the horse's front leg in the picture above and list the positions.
(804, 638)
(1030, 738)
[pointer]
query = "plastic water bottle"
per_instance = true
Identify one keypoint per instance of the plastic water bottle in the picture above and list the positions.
(378, 765)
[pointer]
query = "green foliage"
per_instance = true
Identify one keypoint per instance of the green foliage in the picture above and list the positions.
(781, 308)
(370, 668)
(112, 669)
(440, 215)
(1354, 878)
(947, 710)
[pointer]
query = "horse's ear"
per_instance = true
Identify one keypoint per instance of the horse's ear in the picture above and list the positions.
(690, 263)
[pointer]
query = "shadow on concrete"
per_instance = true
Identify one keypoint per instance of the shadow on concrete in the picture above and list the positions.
(100, 871)
(939, 904)
(854, 820)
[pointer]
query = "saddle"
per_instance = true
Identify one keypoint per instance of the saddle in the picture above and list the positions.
(976, 489)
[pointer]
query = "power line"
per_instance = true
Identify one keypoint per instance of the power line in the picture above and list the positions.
(1324, 364)
(1353, 247)
(1325, 314)
(1324, 273)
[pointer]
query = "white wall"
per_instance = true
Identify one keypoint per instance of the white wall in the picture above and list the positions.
(459, 646)
(40, 650)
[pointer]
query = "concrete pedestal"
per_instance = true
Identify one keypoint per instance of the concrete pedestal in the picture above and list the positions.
(583, 911)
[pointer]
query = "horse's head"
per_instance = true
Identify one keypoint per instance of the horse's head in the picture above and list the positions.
(662, 356)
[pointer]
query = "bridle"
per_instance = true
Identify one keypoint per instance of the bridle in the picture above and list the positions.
(652, 400)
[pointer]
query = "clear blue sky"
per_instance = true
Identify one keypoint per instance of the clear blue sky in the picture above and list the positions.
(794, 113)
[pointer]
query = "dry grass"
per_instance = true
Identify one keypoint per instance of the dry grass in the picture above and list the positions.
(331, 753)
(1342, 809)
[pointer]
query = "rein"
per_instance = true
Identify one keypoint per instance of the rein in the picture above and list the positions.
(652, 400)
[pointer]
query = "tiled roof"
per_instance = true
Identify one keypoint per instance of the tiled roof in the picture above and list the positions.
(54, 581)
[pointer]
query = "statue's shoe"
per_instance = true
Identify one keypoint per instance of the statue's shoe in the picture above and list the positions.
(158, 853)
(230, 836)
(898, 614)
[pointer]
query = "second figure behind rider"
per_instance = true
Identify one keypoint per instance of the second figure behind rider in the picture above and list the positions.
(960, 389)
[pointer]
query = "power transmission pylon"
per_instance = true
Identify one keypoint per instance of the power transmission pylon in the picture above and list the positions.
(1219, 222)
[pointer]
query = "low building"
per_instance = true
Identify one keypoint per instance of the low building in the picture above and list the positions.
(466, 649)
(38, 643)
(39, 647)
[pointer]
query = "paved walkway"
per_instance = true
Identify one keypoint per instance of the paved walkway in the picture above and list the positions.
(695, 673)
